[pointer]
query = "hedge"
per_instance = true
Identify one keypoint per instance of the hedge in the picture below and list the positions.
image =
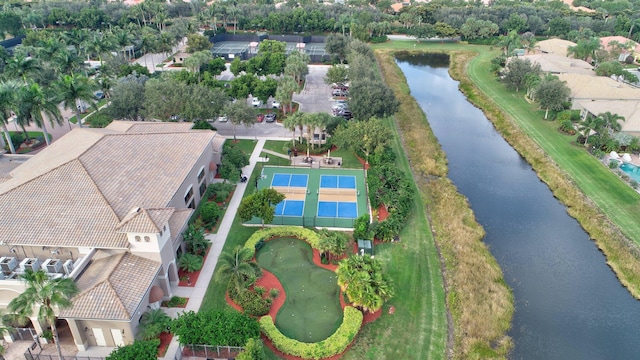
(310, 236)
(333, 345)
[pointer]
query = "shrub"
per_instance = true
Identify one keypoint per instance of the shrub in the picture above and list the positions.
(210, 212)
(273, 293)
(253, 303)
(16, 138)
(613, 164)
(310, 236)
(152, 323)
(190, 262)
(221, 195)
(361, 227)
(176, 301)
(260, 290)
(215, 327)
(333, 345)
(253, 350)
(139, 350)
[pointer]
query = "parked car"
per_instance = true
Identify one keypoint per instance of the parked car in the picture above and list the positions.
(260, 118)
(345, 113)
(223, 118)
(256, 102)
(275, 104)
(339, 92)
(270, 117)
(99, 95)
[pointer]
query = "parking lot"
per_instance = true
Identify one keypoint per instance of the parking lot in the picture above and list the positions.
(315, 97)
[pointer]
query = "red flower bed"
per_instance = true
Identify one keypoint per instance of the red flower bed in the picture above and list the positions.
(191, 276)
(165, 340)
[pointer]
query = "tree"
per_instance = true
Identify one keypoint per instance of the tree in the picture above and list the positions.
(293, 121)
(33, 102)
(195, 240)
(284, 92)
(590, 124)
(334, 242)
(197, 42)
(372, 98)
(584, 49)
(362, 279)
(46, 295)
(253, 350)
(128, 97)
(196, 60)
(296, 65)
(368, 137)
(478, 29)
(152, 323)
(515, 22)
(239, 113)
(551, 94)
(611, 121)
(444, 30)
(614, 68)
(260, 204)
(190, 262)
(22, 67)
(236, 266)
(517, 72)
(7, 104)
(73, 88)
(508, 43)
(337, 74)
(233, 158)
(338, 45)
(165, 97)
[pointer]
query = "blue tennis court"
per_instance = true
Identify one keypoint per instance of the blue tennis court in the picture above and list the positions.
(337, 181)
(290, 208)
(337, 209)
(296, 180)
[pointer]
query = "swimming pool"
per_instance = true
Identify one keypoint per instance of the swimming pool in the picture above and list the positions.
(631, 170)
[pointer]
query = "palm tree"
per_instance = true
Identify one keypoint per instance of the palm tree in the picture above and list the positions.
(66, 62)
(21, 66)
(7, 104)
(32, 103)
(363, 281)
(611, 121)
(237, 266)
(291, 122)
(70, 89)
(589, 124)
(152, 323)
(46, 295)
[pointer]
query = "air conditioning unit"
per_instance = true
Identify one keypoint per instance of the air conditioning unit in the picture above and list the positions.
(30, 264)
(12, 276)
(8, 264)
(68, 267)
(53, 266)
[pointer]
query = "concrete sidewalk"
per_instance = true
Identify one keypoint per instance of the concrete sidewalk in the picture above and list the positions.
(196, 293)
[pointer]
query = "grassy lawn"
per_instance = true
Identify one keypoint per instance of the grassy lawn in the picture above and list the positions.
(90, 111)
(246, 145)
(616, 199)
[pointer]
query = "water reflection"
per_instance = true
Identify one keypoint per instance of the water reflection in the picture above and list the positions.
(569, 304)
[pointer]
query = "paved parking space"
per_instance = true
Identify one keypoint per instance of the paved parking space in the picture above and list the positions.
(316, 95)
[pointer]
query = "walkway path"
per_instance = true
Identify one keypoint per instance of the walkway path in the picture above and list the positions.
(196, 293)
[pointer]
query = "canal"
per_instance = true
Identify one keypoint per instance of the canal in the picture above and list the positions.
(568, 302)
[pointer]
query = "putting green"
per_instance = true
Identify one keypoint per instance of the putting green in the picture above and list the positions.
(312, 310)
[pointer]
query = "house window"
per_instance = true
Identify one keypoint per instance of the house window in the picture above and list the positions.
(147, 239)
(188, 195)
(138, 238)
(192, 205)
(203, 188)
(201, 175)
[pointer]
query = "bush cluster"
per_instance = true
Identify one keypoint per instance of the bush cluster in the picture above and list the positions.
(219, 192)
(210, 213)
(140, 350)
(251, 302)
(176, 301)
(333, 345)
(215, 327)
(310, 236)
(389, 186)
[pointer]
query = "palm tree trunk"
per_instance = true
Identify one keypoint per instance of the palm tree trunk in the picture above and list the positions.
(46, 134)
(26, 133)
(54, 330)
(8, 137)
(78, 117)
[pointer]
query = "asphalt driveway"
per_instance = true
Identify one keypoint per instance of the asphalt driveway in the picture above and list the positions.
(316, 95)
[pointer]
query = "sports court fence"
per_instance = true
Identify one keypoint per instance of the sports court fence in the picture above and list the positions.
(313, 221)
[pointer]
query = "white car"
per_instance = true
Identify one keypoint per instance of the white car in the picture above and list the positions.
(275, 104)
(223, 118)
(256, 102)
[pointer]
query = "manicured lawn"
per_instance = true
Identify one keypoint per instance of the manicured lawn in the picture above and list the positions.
(246, 145)
(615, 198)
(90, 111)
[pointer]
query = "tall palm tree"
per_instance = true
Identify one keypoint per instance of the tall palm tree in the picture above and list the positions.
(32, 103)
(7, 104)
(237, 267)
(589, 124)
(291, 122)
(46, 295)
(66, 62)
(22, 66)
(71, 88)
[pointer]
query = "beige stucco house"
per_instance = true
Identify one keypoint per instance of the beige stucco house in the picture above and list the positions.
(556, 64)
(105, 207)
(554, 46)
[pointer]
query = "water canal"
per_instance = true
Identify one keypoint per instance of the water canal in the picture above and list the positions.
(569, 304)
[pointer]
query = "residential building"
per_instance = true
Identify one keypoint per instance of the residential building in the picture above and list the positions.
(554, 46)
(107, 208)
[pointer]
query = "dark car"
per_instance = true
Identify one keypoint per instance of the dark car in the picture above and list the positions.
(260, 118)
(339, 92)
(270, 117)
(345, 113)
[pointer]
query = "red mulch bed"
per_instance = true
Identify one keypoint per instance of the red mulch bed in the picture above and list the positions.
(269, 281)
(165, 340)
(193, 276)
(364, 163)
(382, 213)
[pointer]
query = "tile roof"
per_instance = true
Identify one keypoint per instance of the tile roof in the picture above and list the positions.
(145, 220)
(178, 220)
(598, 88)
(560, 64)
(555, 46)
(629, 109)
(78, 190)
(604, 41)
(112, 287)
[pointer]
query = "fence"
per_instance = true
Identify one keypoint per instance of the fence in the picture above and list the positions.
(29, 355)
(22, 333)
(209, 351)
(313, 221)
